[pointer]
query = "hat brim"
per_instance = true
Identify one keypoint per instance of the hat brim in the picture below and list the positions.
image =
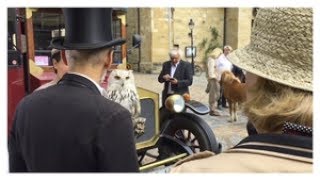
(271, 68)
(58, 43)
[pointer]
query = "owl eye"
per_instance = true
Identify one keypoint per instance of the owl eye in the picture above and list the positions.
(117, 77)
(127, 77)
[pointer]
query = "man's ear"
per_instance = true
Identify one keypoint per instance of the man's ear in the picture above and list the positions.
(64, 57)
(109, 59)
(54, 63)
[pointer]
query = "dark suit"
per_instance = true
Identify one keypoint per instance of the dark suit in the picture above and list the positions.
(183, 74)
(70, 127)
(239, 73)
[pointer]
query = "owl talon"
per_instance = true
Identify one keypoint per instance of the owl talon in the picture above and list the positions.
(139, 125)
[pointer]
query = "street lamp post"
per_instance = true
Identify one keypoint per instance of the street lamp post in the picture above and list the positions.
(191, 25)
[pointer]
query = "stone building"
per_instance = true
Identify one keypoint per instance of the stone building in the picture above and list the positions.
(161, 28)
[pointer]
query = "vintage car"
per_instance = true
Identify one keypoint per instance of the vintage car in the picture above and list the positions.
(172, 132)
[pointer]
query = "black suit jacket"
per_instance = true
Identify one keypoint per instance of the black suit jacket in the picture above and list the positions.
(183, 74)
(70, 127)
(238, 73)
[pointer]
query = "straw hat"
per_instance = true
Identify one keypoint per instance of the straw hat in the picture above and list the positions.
(281, 47)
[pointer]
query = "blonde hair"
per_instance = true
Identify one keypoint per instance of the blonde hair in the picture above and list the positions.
(273, 104)
(216, 53)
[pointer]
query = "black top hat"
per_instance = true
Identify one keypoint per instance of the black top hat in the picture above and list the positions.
(87, 28)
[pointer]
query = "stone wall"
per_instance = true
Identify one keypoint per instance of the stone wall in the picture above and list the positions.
(238, 27)
(245, 20)
(203, 18)
(145, 31)
(160, 28)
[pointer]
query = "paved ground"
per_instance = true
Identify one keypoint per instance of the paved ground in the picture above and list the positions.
(228, 134)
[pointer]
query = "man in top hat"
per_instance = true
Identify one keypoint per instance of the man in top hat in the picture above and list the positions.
(60, 68)
(70, 127)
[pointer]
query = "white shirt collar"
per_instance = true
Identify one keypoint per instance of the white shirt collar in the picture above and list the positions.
(87, 77)
(175, 65)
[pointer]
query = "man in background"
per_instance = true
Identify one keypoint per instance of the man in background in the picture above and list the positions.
(176, 75)
(59, 66)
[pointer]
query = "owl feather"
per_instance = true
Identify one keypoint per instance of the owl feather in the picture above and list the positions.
(121, 89)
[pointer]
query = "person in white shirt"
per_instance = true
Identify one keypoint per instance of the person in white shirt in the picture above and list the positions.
(223, 64)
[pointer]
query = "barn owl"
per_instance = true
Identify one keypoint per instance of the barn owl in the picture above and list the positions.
(121, 89)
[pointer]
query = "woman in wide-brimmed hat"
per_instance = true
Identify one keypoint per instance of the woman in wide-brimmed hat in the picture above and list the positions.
(279, 106)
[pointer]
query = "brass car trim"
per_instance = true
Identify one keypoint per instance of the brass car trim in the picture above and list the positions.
(147, 94)
(162, 162)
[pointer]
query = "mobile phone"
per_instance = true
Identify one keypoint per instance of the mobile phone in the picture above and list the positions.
(171, 79)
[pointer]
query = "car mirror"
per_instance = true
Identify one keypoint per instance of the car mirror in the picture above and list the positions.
(136, 42)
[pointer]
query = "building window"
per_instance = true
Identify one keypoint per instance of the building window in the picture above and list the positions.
(46, 25)
(116, 33)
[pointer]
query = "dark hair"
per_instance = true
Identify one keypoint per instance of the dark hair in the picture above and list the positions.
(56, 56)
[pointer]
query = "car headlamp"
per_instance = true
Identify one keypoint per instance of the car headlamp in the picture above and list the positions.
(175, 103)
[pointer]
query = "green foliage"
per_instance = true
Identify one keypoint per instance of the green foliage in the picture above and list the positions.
(207, 45)
(203, 43)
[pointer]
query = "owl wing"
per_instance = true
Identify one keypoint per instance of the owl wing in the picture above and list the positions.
(113, 95)
(127, 98)
(136, 108)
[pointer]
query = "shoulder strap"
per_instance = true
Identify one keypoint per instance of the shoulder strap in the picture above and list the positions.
(279, 143)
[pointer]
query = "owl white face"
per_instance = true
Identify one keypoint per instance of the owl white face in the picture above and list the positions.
(121, 79)
(121, 89)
